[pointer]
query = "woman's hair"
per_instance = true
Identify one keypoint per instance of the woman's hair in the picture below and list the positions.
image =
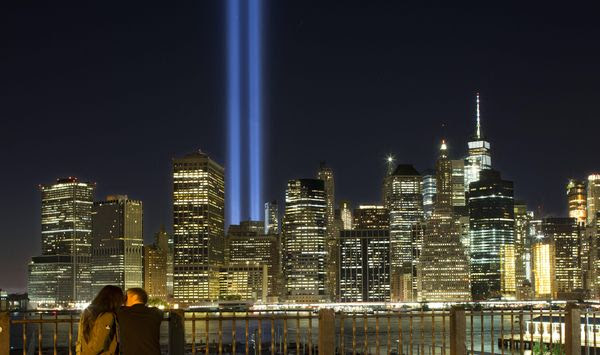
(108, 300)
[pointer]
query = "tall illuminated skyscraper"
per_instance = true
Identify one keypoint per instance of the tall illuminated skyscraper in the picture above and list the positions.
(117, 243)
(593, 197)
(331, 230)
(492, 227)
(443, 267)
(479, 157)
(345, 212)
(544, 276)
(365, 265)
(577, 199)
(404, 200)
(271, 217)
(156, 261)
(522, 248)
(198, 227)
(428, 189)
(458, 184)
(565, 233)
(61, 275)
(304, 240)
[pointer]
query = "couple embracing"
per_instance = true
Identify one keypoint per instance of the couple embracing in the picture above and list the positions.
(119, 324)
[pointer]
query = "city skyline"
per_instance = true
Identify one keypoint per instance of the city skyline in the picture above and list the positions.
(523, 145)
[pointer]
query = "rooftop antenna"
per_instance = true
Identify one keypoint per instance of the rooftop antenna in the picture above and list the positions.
(478, 134)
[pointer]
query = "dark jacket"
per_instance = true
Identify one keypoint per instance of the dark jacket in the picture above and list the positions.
(139, 329)
(102, 338)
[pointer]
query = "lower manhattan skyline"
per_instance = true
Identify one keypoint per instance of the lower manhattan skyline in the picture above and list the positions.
(112, 97)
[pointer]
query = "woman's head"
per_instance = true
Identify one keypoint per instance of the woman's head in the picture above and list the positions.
(107, 300)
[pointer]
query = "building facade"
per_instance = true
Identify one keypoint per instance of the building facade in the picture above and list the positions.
(304, 241)
(479, 153)
(371, 217)
(364, 265)
(198, 227)
(325, 174)
(544, 277)
(117, 243)
(64, 266)
(271, 217)
(156, 266)
(404, 200)
(577, 200)
(246, 245)
(593, 198)
(491, 227)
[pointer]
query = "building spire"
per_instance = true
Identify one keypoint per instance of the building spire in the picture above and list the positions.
(478, 132)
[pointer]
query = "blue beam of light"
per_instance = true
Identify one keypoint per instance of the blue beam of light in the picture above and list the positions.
(254, 108)
(234, 163)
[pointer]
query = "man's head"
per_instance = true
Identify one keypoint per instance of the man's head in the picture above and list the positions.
(136, 295)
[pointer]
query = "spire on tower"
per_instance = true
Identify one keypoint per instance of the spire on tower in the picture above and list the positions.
(478, 132)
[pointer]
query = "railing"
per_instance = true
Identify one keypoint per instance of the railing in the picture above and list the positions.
(572, 330)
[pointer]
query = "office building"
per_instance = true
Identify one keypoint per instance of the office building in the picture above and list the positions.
(371, 217)
(331, 231)
(345, 215)
(243, 282)
(577, 200)
(443, 266)
(117, 243)
(565, 234)
(522, 250)
(304, 241)
(271, 218)
(479, 157)
(428, 189)
(365, 265)
(404, 200)
(491, 227)
(156, 266)
(593, 198)
(248, 245)
(61, 275)
(198, 227)
(544, 277)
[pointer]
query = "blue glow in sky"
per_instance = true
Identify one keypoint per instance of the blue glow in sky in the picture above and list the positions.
(254, 108)
(233, 171)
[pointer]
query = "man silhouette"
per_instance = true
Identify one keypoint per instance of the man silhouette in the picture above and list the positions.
(139, 325)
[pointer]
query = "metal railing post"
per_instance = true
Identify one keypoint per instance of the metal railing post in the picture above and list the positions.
(572, 329)
(458, 331)
(177, 331)
(326, 331)
(4, 333)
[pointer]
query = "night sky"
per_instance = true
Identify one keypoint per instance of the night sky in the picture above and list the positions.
(110, 92)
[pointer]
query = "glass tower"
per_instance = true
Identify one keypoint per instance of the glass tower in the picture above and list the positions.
(491, 228)
(403, 198)
(593, 197)
(61, 275)
(304, 240)
(577, 200)
(117, 243)
(198, 227)
(479, 157)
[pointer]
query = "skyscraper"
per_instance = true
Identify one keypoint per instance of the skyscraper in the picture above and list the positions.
(248, 245)
(346, 215)
(61, 275)
(117, 243)
(565, 234)
(522, 249)
(491, 227)
(593, 197)
(404, 200)
(479, 157)
(198, 227)
(156, 257)
(428, 191)
(576, 198)
(443, 268)
(543, 258)
(304, 240)
(458, 184)
(365, 265)
(331, 230)
(371, 217)
(271, 218)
